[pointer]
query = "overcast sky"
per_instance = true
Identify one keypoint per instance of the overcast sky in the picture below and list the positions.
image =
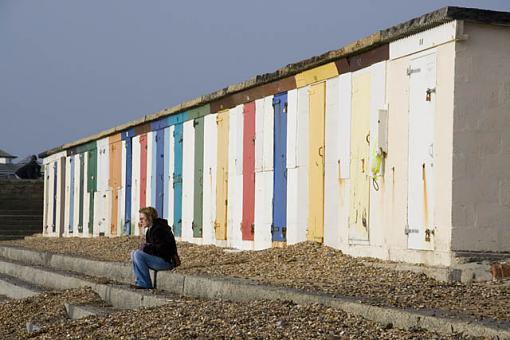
(70, 68)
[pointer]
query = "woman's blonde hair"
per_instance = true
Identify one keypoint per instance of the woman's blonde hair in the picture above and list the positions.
(150, 213)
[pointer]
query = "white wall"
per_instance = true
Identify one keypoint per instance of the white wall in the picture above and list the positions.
(481, 141)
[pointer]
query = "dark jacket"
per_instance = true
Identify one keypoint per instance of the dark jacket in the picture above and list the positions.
(160, 241)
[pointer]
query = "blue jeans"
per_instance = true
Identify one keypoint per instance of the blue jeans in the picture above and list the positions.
(142, 262)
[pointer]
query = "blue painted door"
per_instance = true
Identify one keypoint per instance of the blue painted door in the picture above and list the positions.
(160, 167)
(126, 136)
(166, 171)
(280, 168)
(71, 195)
(54, 223)
(153, 175)
(178, 135)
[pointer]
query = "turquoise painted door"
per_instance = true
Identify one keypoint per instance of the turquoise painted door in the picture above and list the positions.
(178, 139)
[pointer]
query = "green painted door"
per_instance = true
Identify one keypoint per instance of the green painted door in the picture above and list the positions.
(81, 194)
(198, 195)
(91, 184)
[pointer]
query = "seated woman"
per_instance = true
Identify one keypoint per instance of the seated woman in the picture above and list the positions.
(159, 252)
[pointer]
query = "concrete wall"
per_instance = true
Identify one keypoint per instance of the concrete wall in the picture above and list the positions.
(481, 144)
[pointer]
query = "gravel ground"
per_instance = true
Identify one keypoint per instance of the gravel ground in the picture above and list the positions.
(310, 266)
(193, 318)
(43, 309)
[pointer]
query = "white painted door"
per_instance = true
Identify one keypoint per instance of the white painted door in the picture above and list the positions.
(210, 157)
(150, 167)
(297, 177)
(422, 104)
(135, 184)
(170, 174)
(122, 193)
(67, 204)
(76, 211)
(188, 176)
(235, 177)
(263, 172)
(331, 166)
(102, 208)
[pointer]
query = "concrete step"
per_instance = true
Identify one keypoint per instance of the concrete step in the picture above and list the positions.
(119, 296)
(15, 288)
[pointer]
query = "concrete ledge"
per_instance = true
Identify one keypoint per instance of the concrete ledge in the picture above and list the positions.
(116, 295)
(444, 274)
(116, 271)
(224, 288)
(17, 289)
(82, 311)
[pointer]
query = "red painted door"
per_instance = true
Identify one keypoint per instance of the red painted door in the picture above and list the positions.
(248, 171)
(143, 170)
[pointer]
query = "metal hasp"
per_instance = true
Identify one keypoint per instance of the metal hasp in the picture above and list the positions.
(280, 168)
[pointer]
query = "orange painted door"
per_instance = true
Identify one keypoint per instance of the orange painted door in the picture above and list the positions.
(248, 172)
(220, 225)
(115, 178)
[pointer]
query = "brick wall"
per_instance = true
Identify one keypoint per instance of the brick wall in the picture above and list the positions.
(21, 208)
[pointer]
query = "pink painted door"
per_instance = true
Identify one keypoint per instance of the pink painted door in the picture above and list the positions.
(247, 223)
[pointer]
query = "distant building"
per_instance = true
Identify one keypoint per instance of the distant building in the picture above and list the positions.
(7, 168)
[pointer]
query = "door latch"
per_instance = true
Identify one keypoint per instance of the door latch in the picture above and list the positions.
(428, 234)
(428, 96)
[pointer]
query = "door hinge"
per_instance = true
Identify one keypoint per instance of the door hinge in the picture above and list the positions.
(408, 231)
(411, 70)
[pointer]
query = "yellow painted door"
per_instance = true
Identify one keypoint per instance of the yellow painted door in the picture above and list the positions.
(316, 162)
(220, 224)
(360, 150)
